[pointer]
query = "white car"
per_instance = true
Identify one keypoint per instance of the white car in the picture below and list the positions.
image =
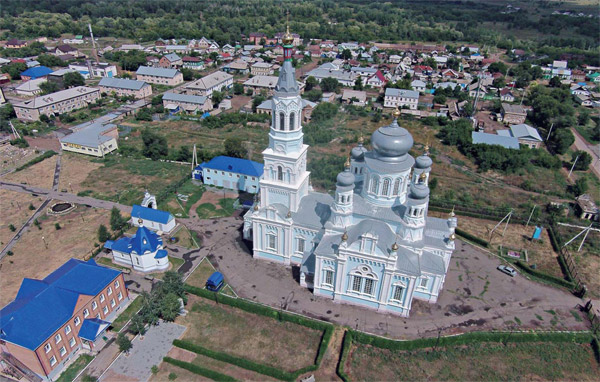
(508, 270)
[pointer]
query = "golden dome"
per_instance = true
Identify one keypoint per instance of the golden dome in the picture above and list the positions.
(452, 237)
(361, 140)
(345, 236)
(396, 113)
(422, 176)
(347, 164)
(394, 247)
(140, 221)
(287, 38)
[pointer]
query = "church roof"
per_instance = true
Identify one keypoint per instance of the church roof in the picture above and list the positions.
(287, 85)
(151, 214)
(143, 241)
(235, 165)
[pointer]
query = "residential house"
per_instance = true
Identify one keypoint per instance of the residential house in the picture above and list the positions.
(205, 86)
(423, 70)
(66, 49)
(237, 67)
(394, 59)
(450, 74)
(256, 37)
(315, 50)
(2, 98)
(258, 83)
(261, 69)
(151, 218)
(52, 320)
(506, 95)
(60, 102)
(401, 98)
(494, 139)
(513, 114)
(587, 207)
(160, 76)
(14, 43)
(331, 70)
(578, 75)
(377, 80)
(363, 72)
(92, 138)
(152, 61)
(31, 87)
(171, 60)
(102, 69)
(527, 135)
(130, 47)
(584, 100)
(354, 97)
(475, 89)
(58, 76)
(418, 85)
(125, 87)
(193, 104)
(78, 39)
(194, 63)
(228, 49)
(36, 72)
(182, 49)
(230, 173)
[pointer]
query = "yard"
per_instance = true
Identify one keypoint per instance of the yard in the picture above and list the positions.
(42, 250)
(201, 274)
(258, 338)
(39, 175)
(15, 212)
(75, 169)
(475, 362)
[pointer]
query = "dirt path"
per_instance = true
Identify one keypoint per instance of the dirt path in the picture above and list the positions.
(328, 369)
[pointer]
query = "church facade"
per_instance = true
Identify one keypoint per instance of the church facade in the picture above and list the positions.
(372, 243)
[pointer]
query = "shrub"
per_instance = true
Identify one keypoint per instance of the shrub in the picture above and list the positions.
(199, 370)
(31, 207)
(473, 238)
(347, 344)
(544, 276)
(154, 369)
(57, 226)
(172, 376)
(12, 228)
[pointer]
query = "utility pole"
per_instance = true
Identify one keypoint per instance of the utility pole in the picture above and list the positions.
(530, 215)
(550, 132)
(573, 166)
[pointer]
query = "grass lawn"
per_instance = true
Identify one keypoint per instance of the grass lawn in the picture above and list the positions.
(224, 328)
(185, 238)
(71, 372)
(475, 362)
(176, 262)
(109, 263)
(132, 309)
(182, 208)
(201, 274)
(209, 210)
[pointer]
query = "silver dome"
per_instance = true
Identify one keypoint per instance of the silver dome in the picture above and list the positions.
(345, 178)
(358, 152)
(391, 143)
(423, 161)
(419, 191)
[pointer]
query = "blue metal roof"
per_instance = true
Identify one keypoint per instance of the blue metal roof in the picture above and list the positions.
(43, 306)
(161, 253)
(493, 139)
(91, 328)
(151, 214)
(143, 241)
(235, 165)
(37, 72)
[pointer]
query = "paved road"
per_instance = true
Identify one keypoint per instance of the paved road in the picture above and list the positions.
(594, 150)
(475, 295)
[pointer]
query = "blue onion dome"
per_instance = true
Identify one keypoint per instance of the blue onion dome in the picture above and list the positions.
(423, 161)
(346, 178)
(391, 143)
(419, 191)
(358, 152)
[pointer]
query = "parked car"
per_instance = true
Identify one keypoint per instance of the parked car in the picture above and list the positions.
(215, 282)
(508, 270)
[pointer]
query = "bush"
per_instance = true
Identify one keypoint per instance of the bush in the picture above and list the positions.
(172, 376)
(199, 370)
(57, 226)
(103, 234)
(12, 228)
(31, 207)
(347, 344)
(473, 238)
(19, 142)
(154, 369)
(544, 276)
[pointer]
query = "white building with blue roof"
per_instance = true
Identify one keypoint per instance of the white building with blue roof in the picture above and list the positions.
(152, 218)
(229, 172)
(142, 252)
(51, 320)
(371, 243)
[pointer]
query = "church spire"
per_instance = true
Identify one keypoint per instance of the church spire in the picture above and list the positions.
(286, 84)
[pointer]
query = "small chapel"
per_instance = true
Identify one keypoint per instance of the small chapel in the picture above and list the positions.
(370, 244)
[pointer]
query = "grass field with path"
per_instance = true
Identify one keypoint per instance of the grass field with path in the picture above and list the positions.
(71, 372)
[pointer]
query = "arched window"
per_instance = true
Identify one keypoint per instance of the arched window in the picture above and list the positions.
(386, 187)
(281, 121)
(292, 121)
(356, 170)
(374, 185)
(396, 186)
(279, 173)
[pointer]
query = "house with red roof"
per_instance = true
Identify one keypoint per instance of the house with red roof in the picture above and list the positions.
(377, 80)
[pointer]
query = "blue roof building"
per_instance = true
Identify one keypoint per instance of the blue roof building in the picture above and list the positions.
(228, 172)
(143, 251)
(153, 219)
(36, 72)
(493, 139)
(42, 326)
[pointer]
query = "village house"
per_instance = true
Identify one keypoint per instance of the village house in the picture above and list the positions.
(35, 73)
(160, 76)
(92, 138)
(513, 114)
(194, 63)
(58, 76)
(125, 87)
(527, 135)
(205, 86)
(258, 83)
(506, 95)
(52, 320)
(232, 173)
(57, 103)
(192, 104)
(14, 43)
(418, 85)
(377, 80)
(587, 207)
(261, 69)
(171, 60)
(130, 47)
(401, 98)
(256, 37)
(66, 49)
(394, 59)
(182, 49)
(363, 72)
(354, 97)
(30, 88)
(508, 142)
(344, 77)
(237, 67)
(102, 69)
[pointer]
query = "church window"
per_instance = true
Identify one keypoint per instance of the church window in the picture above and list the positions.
(281, 121)
(271, 241)
(356, 170)
(292, 121)
(398, 289)
(301, 245)
(386, 187)
(396, 186)
(279, 173)
(369, 286)
(424, 282)
(356, 283)
(328, 277)
(374, 185)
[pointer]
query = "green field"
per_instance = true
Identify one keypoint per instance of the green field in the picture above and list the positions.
(71, 372)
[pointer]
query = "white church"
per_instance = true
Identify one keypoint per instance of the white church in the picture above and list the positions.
(372, 244)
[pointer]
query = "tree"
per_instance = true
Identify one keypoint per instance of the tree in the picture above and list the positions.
(555, 82)
(234, 147)
(7, 112)
(49, 87)
(580, 187)
(154, 369)
(324, 111)
(497, 67)
(584, 117)
(170, 307)
(124, 343)
(155, 146)
(173, 283)
(311, 82)
(89, 378)
(346, 54)
(217, 97)
(157, 100)
(103, 234)
(358, 85)
(14, 70)
(50, 60)
(256, 101)
(137, 325)
(313, 95)
(439, 99)
(72, 79)
(561, 140)
(188, 74)
(238, 88)
(117, 221)
(583, 160)
(498, 83)
(143, 115)
(330, 84)
(468, 109)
